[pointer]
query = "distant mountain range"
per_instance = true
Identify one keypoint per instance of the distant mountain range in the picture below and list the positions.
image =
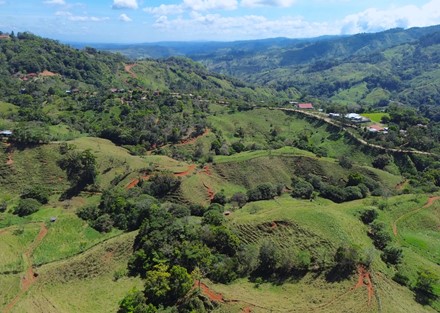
(367, 69)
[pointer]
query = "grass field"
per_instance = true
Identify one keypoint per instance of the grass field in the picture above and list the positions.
(84, 283)
(375, 117)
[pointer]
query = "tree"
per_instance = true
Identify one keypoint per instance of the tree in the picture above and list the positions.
(368, 216)
(80, 168)
(135, 302)
(424, 288)
(36, 192)
(239, 199)
(392, 255)
(103, 223)
(27, 207)
(163, 184)
(346, 259)
(219, 198)
(301, 188)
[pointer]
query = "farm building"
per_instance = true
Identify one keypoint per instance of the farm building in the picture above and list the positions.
(305, 106)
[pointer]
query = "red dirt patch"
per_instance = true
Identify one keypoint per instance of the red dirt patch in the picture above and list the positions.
(212, 295)
(190, 169)
(365, 280)
(128, 68)
(136, 181)
(47, 73)
(193, 140)
(30, 276)
(207, 170)
(209, 190)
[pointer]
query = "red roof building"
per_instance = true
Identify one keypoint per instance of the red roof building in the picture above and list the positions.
(307, 106)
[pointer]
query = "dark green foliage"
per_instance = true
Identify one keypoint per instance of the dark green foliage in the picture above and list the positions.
(219, 198)
(135, 302)
(264, 191)
(36, 192)
(27, 207)
(30, 134)
(381, 238)
(213, 217)
(163, 184)
(103, 223)
(346, 259)
(301, 188)
(368, 216)
(381, 161)
(80, 167)
(424, 288)
(392, 255)
(239, 199)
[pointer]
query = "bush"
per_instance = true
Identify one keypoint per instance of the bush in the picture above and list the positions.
(368, 216)
(392, 255)
(239, 199)
(219, 198)
(38, 193)
(301, 188)
(103, 223)
(27, 206)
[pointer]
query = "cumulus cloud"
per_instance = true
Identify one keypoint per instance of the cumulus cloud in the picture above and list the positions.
(58, 2)
(216, 26)
(80, 18)
(373, 20)
(270, 3)
(204, 5)
(166, 9)
(125, 4)
(124, 17)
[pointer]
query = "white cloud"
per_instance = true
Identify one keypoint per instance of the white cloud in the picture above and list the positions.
(192, 5)
(264, 3)
(166, 9)
(204, 5)
(215, 26)
(81, 18)
(59, 2)
(125, 4)
(373, 20)
(124, 17)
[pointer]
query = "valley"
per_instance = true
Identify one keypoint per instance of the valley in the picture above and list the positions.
(159, 186)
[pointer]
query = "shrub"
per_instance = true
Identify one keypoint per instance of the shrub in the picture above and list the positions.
(27, 206)
(38, 193)
(368, 216)
(103, 223)
(392, 255)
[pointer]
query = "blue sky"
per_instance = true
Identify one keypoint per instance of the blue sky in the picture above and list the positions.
(129, 21)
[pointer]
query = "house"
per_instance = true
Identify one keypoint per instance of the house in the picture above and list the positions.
(305, 106)
(375, 129)
(5, 133)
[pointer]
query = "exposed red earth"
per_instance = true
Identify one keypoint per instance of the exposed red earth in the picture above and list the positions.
(128, 68)
(212, 295)
(194, 139)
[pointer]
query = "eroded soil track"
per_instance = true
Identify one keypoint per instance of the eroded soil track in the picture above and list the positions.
(30, 276)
